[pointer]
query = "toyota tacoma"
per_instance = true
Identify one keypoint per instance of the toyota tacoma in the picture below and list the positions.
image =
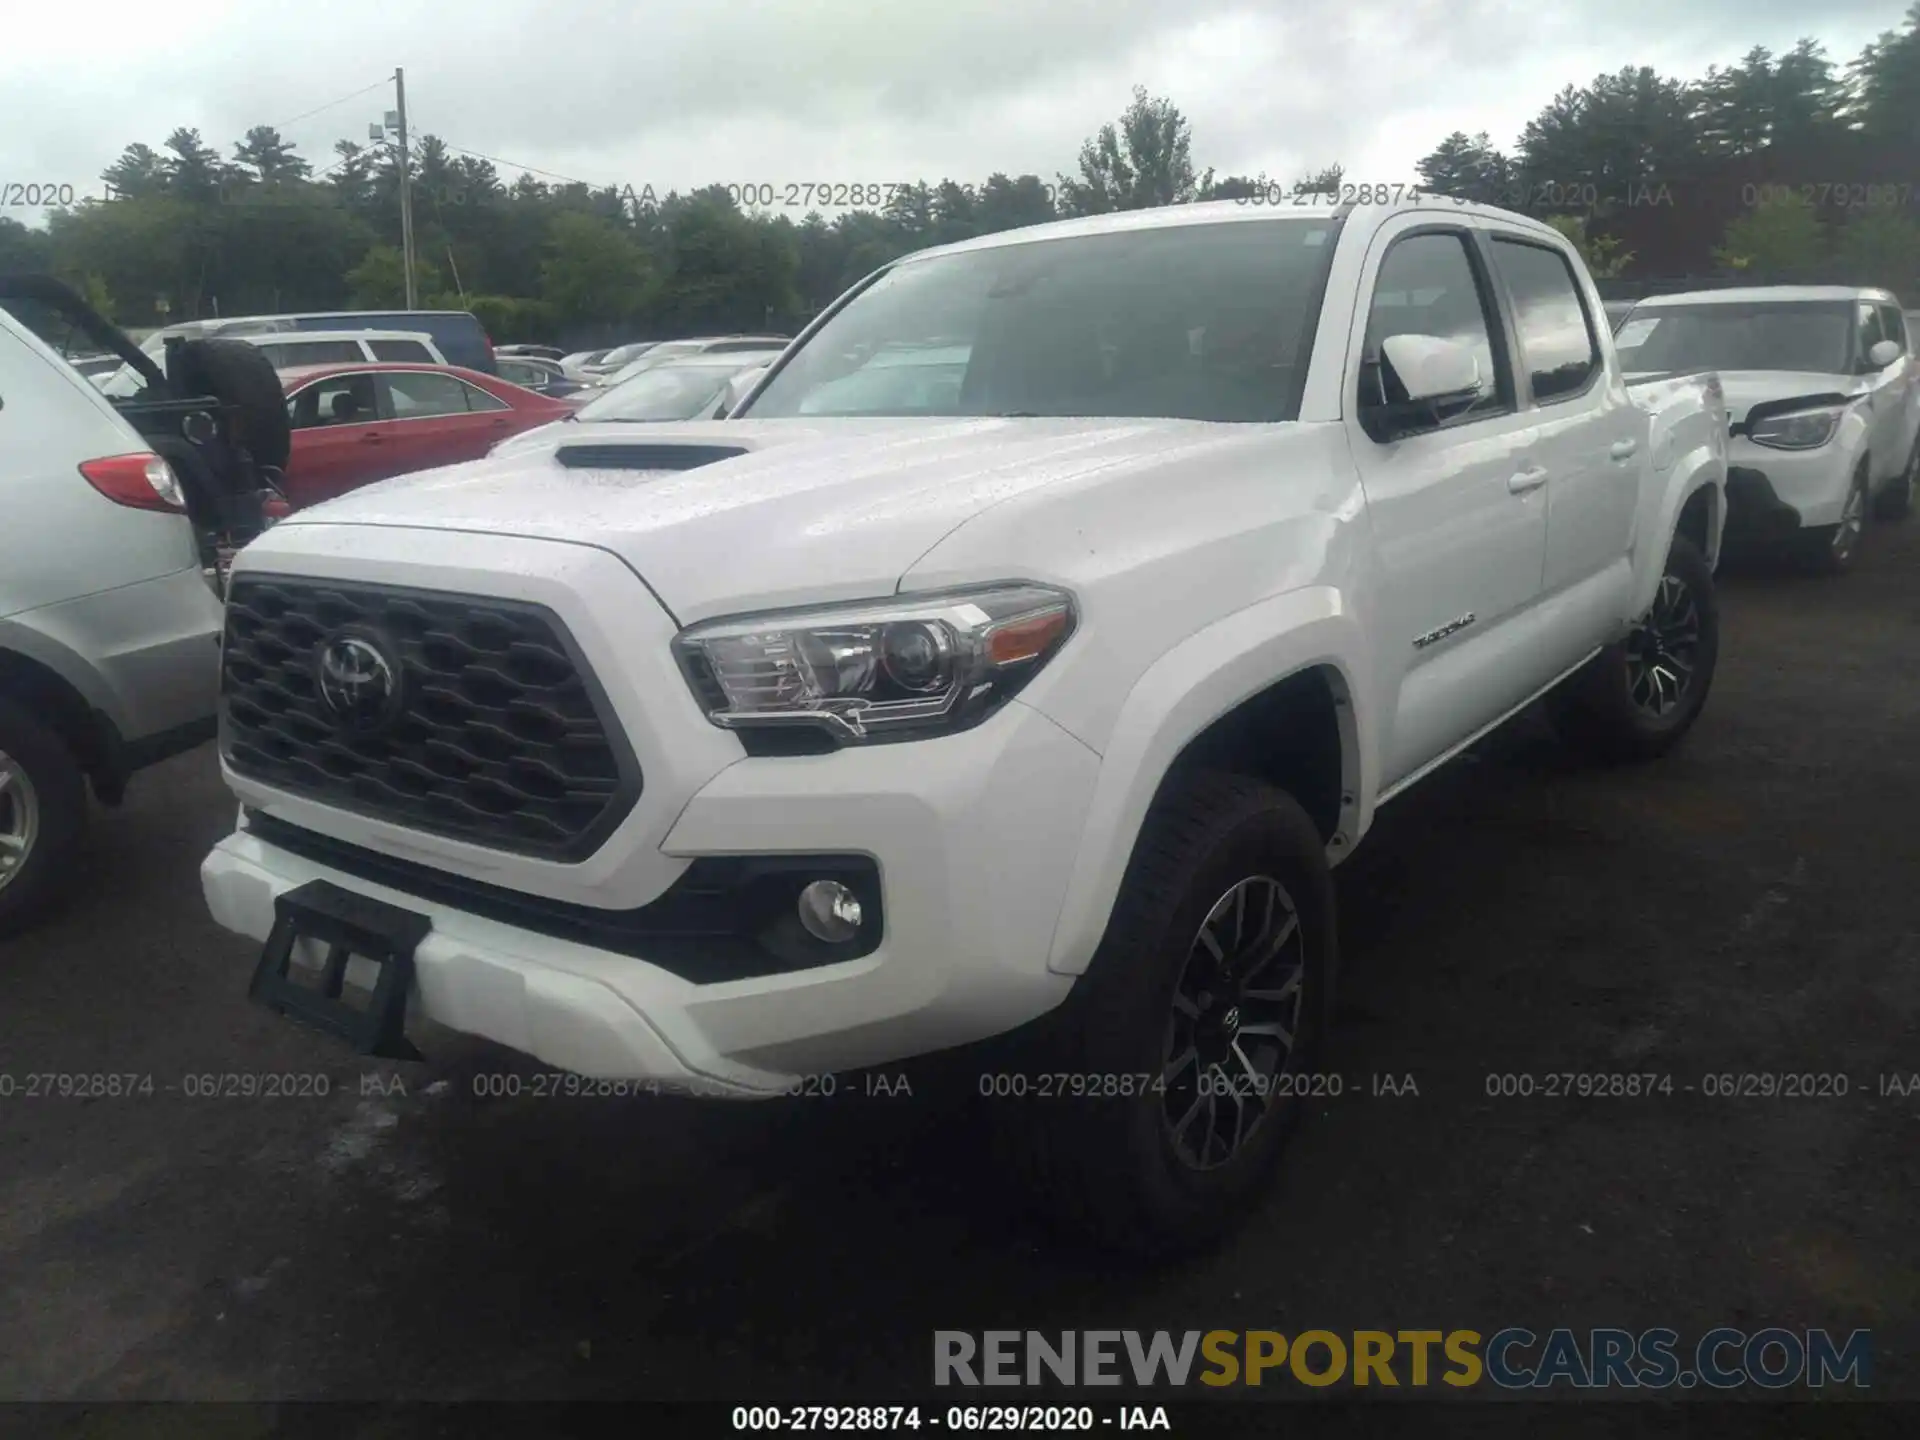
(881, 719)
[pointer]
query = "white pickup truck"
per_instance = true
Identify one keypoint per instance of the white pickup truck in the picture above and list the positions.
(1037, 697)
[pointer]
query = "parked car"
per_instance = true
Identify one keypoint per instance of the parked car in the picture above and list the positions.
(538, 352)
(669, 351)
(609, 361)
(726, 754)
(543, 377)
(457, 334)
(1824, 390)
(353, 424)
(687, 387)
(574, 366)
(902, 380)
(692, 388)
(108, 628)
(216, 414)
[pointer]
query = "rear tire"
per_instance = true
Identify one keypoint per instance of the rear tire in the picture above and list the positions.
(241, 376)
(1126, 1170)
(1637, 698)
(43, 815)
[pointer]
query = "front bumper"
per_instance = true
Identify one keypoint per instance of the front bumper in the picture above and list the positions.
(1755, 511)
(1774, 492)
(973, 836)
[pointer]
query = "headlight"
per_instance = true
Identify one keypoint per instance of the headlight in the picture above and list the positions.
(906, 666)
(1802, 430)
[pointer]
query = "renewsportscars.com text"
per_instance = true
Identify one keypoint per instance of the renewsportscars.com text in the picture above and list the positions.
(1513, 1358)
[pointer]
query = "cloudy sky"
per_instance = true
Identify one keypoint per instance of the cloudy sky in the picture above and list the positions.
(677, 93)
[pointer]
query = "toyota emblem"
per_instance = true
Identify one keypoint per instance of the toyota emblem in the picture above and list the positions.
(359, 685)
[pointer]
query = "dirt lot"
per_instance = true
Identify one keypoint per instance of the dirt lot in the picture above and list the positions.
(1750, 905)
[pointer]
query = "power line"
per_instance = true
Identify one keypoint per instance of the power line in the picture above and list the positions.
(533, 169)
(378, 84)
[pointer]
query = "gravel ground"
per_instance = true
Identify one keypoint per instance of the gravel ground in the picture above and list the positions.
(1750, 905)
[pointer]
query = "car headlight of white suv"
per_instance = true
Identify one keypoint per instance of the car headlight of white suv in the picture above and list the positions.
(1801, 430)
(879, 670)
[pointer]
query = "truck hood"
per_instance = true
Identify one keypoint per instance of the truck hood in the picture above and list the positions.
(728, 516)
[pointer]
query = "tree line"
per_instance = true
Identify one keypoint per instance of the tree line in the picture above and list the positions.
(1781, 166)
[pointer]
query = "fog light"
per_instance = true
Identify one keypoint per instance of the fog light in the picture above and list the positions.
(829, 911)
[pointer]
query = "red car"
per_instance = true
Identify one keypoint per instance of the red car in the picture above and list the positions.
(354, 424)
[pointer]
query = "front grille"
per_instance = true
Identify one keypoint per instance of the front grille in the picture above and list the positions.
(500, 734)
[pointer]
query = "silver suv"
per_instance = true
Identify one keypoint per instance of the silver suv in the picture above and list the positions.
(109, 629)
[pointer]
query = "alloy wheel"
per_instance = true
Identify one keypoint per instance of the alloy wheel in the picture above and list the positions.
(1234, 1022)
(1853, 520)
(19, 818)
(1663, 649)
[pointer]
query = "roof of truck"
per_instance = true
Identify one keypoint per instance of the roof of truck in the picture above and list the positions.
(1209, 212)
(1771, 294)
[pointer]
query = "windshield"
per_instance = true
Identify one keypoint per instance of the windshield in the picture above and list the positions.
(1198, 322)
(1809, 335)
(670, 392)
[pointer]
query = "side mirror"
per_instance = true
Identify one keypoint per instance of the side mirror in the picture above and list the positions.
(1884, 353)
(1433, 370)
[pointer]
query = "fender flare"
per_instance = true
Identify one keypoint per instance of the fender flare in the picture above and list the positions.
(1178, 697)
(64, 665)
(1702, 467)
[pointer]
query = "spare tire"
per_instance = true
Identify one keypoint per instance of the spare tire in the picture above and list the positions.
(239, 375)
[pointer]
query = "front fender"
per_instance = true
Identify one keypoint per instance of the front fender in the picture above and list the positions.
(1176, 699)
(1677, 475)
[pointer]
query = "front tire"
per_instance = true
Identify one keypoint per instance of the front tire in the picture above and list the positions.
(1637, 698)
(1835, 549)
(1210, 993)
(43, 814)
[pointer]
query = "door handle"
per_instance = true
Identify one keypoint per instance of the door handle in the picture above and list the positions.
(501, 423)
(1531, 478)
(1623, 449)
(372, 437)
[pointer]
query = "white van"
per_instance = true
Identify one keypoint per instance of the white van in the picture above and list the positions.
(345, 347)
(288, 349)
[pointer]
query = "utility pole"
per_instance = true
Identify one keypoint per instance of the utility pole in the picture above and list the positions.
(406, 190)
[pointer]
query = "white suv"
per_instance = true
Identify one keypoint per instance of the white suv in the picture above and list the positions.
(722, 756)
(109, 631)
(1824, 392)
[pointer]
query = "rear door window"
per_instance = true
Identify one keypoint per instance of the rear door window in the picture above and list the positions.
(1556, 333)
(408, 351)
(422, 395)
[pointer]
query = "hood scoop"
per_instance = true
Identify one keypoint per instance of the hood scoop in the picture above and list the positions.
(614, 456)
